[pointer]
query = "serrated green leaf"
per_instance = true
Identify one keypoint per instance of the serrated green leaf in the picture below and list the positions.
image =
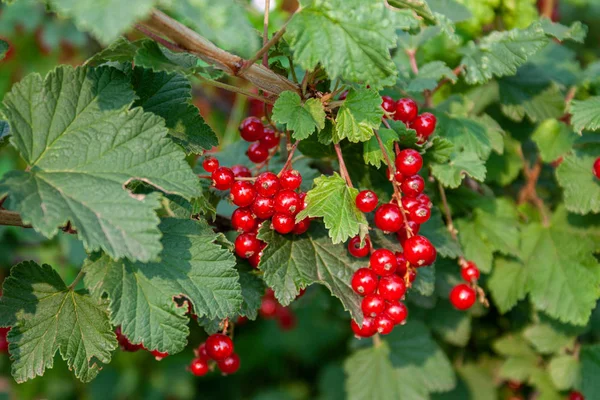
(47, 316)
(334, 201)
(513, 345)
(429, 75)
(565, 372)
(466, 134)
(479, 380)
(158, 58)
(360, 113)
(372, 153)
(451, 174)
(548, 339)
(119, 51)
(581, 187)
(505, 168)
(437, 232)
(350, 45)
(452, 9)
(141, 294)
(590, 368)
(424, 284)
(450, 324)
(518, 369)
(576, 32)
(420, 7)
(440, 150)
(553, 139)
(507, 284)
(253, 290)
(585, 114)
(301, 118)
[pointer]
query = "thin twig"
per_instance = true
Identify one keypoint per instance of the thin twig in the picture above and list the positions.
(293, 70)
(343, 169)
(411, 53)
(447, 213)
(235, 89)
(376, 340)
(528, 192)
(266, 33)
(77, 279)
(169, 45)
(288, 162)
(548, 8)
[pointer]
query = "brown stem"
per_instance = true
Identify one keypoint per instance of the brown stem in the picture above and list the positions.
(12, 218)
(236, 89)
(411, 53)
(169, 45)
(77, 279)
(376, 340)
(447, 213)
(263, 52)
(548, 8)
(528, 192)
(288, 162)
(343, 169)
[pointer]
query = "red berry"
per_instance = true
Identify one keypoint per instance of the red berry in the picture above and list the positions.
(388, 104)
(222, 178)
(286, 318)
(4, 339)
(408, 203)
(412, 274)
(397, 311)
(243, 220)
(290, 179)
(268, 307)
(229, 365)
(409, 162)
(219, 346)
(424, 124)
(419, 251)
(210, 164)
(302, 197)
(470, 272)
(364, 281)
(406, 110)
(199, 366)
(402, 263)
(254, 260)
(201, 351)
(462, 296)
(574, 395)
(301, 227)
(388, 218)
(402, 234)
(383, 262)
(413, 186)
(267, 184)
(366, 201)
(355, 249)
(366, 330)
(257, 153)
(159, 355)
(242, 193)
(241, 171)
(283, 223)
(246, 245)
(343, 95)
(287, 202)
(270, 139)
(424, 200)
(419, 214)
(384, 324)
(391, 287)
(597, 167)
(398, 177)
(251, 129)
(372, 305)
(263, 207)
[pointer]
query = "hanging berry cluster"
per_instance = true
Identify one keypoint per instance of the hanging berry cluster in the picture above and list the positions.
(271, 309)
(218, 349)
(127, 345)
(464, 295)
(265, 139)
(407, 111)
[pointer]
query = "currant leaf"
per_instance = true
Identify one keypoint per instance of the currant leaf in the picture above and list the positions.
(590, 368)
(575, 176)
(554, 139)
(301, 118)
(358, 116)
(372, 153)
(451, 174)
(507, 284)
(585, 114)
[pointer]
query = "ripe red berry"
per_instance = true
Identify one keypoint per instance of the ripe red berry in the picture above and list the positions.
(263, 207)
(398, 177)
(355, 249)
(301, 227)
(286, 318)
(575, 395)
(241, 171)
(257, 153)
(219, 346)
(402, 234)
(419, 251)
(159, 355)
(243, 220)
(388, 104)
(424, 200)
(366, 201)
(424, 124)
(242, 193)
(268, 307)
(388, 218)
(251, 129)
(210, 164)
(302, 196)
(254, 260)
(367, 329)
(229, 365)
(267, 184)
(470, 272)
(283, 223)
(384, 324)
(412, 274)
(402, 263)
(270, 139)
(597, 167)
(413, 186)
(409, 162)
(201, 351)
(287, 202)
(199, 366)
(246, 245)
(419, 214)
(383, 262)
(408, 203)
(391, 287)
(222, 178)
(4, 340)
(372, 305)
(406, 110)
(364, 281)
(290, 179)
(397, 311)
(462, 296)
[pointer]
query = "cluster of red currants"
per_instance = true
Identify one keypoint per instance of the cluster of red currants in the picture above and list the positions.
(271, 309)
(265, 139)
(463, 295)
(127, 345)
(407, 111)
(218, 348)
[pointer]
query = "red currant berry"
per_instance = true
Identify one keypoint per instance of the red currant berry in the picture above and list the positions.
(246, 244)
(383, 262)
(597, 167)
(302, 197)
(222, 178)
(413, 186)
(301, 227)
(470, 272)
(4, 340)
(254, 260)
(159, 355)
(367, 329)
(210, 164)
(268, 307)
(257, 153)
(199, 366)
(372, 305)
(355, 249)
(412, 274)
(384, 324)
(388, 218)
(408, 203)
(397, 311)
(409, 162)
(364, 281)
(290, 179)
(343, 95)
(286, 318)
(462, 296)
(402, 263)
(267, 184)
(287, 202)
(574, 395)
(241, 171)
(424, 124)
(243, 220)
(424, 200)
(251, 129)
(391, 287)
(229, 365)
(398, 177)
(366, 201)
(402, 234)
(388, 104)
(219, 346)
(263, 207)
(406, 110)
(242, 193)
(201, 351)
(283, 223)
(419, 251)
(514, 385)
(419, 214)
(270, 139)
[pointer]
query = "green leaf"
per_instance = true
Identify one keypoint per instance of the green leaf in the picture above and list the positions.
(253, 290)
(360, 113)
(466, 134)
(291, 263)
(576, 32)
(153, 56)
(585, 114)
(452, 9)
(169, 96)
(590, 368)
(429, 75)
(119, 51)
(565, 372)
(437, 232)
(440, 151)
(47, 316)
(507, 284)
(3, 49)
(372, 153)
(451, 174)
(500, 53)
(553, 139)
(141, 294)
(350, 45)
(505, 168)
(420, 7)
(80, 162)
(303, 119)
(549, 338)
(333, 200)
(575, 176)
(450, 324)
